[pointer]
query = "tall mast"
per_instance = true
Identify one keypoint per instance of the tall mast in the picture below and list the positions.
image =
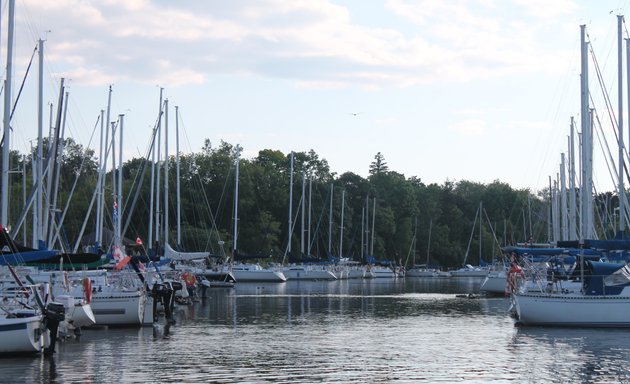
(57, 169)
(586, 189)
(373, 221)
(179, 238)
(628, 101)
(119, 184)
(563, 199)
(290, 203)
(166, 162)
(572, 200)
(330, 220)
(480, 222)
(54, 138)
(343, 198)
(429, 242)
(308, 229)
(118, 240)
(621, 192)
(236, 203)
(152, 194)
(98, 192)
(303, 213)
(7, 120)
(363, 241)
(38, 235)
(158, 217)
(366, 228)
(101, 187)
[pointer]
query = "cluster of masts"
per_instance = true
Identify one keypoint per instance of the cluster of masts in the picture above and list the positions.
(571, 213)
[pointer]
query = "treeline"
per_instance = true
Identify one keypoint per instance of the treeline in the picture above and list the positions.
(411, 220)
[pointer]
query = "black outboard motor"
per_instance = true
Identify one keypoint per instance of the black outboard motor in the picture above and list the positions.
(54, 314)
(160, 293)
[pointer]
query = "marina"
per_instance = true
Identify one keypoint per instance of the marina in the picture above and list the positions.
(372, 330)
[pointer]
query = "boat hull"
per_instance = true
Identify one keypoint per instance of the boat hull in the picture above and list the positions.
(494, 283)
(119, 308)
(258, 275)
(22, 335)
(420, 273)
(573, 310)
(308, 274)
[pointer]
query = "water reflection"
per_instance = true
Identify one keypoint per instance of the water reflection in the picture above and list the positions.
(582, 354)
(342, 331)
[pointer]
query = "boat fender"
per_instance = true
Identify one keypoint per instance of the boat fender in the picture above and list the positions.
(87, 289)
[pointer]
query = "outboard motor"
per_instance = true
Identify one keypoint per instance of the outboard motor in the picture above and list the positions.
(54, 314)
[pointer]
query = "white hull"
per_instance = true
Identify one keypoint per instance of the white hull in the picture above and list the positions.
(382, 272)
(261, 275)
(358, 273)
(307, 273)
(118, 308)
(254, 272)
(78, 312)
(22, 335)
(575, 310)
(469, 273)
(414, 272)
(495, 282)
(172, 254)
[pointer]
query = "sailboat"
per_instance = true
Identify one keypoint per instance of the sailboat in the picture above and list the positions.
(422, 270)
(302, 270)
(602, 296)
(468, 270)
(244, 272)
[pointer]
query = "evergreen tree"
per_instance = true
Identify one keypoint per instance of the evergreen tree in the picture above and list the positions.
(379, 165)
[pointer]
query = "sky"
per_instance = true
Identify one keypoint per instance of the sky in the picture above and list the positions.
(477, 90)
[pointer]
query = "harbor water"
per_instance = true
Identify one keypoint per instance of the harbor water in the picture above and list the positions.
(350, 331)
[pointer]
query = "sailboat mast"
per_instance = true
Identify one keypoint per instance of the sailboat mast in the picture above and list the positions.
(303, 211)
(166, 162)
(373, 221)
(343, 197)
(38, 235)
(57, 170)
(236, 203)
(586, 215)
(429, 242)
(119, 185)
(628, 101)
(365, 228)
(363, 241)
(290, 203)
(621, 192)
(101, 204)
(308, 227)
(572, 197)
(179, 237)
(158, 216)
(151, 197)
(7, 120)
(330, 220)
(480, 234)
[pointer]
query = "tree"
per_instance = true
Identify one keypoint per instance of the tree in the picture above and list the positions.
(379, 165)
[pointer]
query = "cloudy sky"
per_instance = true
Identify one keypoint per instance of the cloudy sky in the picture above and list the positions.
(477, 90)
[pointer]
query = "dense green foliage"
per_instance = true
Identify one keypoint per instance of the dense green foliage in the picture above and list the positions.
(399, 209)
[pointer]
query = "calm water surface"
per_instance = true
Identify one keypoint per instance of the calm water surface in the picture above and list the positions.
(353, 331)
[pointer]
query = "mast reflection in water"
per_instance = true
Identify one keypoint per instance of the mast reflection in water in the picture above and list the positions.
(352, 331)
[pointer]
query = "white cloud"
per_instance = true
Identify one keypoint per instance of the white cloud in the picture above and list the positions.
(313, 43)
(470, 127)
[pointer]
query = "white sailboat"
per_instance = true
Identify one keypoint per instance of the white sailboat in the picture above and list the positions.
(602, 298)
(247, 272)
(422, 270)
(468, 270)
